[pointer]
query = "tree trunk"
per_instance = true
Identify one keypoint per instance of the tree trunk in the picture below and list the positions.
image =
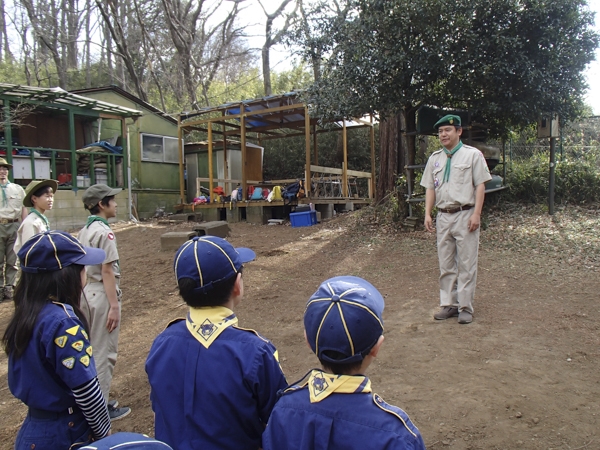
(388, 156)
(408, 126)
(266, 66)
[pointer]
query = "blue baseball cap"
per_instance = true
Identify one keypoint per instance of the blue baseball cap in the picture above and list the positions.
(344, 316)
(209, 260)
(54, 250)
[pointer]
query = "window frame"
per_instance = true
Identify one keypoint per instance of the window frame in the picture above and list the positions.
(163, 137)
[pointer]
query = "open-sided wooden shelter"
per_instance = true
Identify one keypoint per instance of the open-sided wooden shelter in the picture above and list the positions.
(274, 117)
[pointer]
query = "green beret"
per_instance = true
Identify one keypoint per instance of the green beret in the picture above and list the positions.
(450, 119)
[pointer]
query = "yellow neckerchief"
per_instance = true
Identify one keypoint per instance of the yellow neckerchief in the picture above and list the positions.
(321, 385)
(207, 323)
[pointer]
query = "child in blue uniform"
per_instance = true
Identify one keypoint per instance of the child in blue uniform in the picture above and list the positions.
(50, 364)
(335, 407)
(213, 384)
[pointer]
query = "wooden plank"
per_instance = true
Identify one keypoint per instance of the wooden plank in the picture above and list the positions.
(336, 171)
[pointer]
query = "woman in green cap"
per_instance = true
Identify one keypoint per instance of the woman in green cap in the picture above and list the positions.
(39, 197)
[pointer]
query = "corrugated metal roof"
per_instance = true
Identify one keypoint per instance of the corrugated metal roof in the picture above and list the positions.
(60, 99)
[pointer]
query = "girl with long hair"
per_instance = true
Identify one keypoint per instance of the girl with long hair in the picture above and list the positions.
(50, 362)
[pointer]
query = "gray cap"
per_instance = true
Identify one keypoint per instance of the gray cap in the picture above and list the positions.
(97, 192)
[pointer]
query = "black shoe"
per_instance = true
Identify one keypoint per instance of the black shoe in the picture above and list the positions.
(118, 413)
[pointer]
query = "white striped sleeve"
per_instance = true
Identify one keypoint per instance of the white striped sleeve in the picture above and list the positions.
(90, 400)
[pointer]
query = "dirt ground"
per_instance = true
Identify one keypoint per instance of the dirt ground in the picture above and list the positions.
(524, 374)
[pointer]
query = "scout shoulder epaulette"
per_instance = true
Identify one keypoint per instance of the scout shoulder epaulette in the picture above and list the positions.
(173, 322)
(250, 330)
(395, 411)
(437, 151)
(300, 384)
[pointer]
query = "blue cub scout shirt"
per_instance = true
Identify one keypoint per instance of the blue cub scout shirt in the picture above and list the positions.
(58, 359)
(317, 415)
(213, 385)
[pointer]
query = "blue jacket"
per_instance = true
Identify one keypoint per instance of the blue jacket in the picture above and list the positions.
(58, 358)
(213, 385)
(326, 411)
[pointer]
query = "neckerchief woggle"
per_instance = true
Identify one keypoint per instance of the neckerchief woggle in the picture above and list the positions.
(322, 384)
(41, 216)
(207, 323)
(449, 154)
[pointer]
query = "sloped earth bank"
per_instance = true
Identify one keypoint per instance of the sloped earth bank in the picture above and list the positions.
(524, 374)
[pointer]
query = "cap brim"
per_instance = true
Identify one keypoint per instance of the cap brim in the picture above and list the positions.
(113, 191)
(92, 257)
(246, 255)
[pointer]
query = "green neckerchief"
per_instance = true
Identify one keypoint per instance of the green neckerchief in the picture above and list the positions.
(93, 219)
(41, 216)
(4, 197)
(449, 154)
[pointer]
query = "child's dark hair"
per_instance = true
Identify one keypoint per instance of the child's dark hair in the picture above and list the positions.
(96, 209)
(33, 292)
(217, 296)
(43, 190)
(343, 368)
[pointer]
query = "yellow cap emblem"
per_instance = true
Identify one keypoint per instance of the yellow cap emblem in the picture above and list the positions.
(77, 345)
(60, 341)
(451, 121)
(68, 362)
(85, 360)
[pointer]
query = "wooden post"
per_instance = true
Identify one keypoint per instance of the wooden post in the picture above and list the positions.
(8, 136)
(307, 181)
(210, 163)
(243, 149)
(72, 146)
(228, 186)
(345, 165)
(181, 174)
(315, 148)
(125, 145)
(372, 181)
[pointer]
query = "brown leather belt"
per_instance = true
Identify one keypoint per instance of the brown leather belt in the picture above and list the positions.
(5, 221)
(455, 210)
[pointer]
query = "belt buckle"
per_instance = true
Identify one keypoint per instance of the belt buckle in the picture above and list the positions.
(3, 221)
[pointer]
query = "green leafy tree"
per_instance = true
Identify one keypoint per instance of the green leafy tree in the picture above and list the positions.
(506, 61)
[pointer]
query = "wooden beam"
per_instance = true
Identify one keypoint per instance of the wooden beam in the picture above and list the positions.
(243, 149)
(307, 182)
(180, 147)
(345, 163)
(210, 163)
(372, 136)
(336, 171)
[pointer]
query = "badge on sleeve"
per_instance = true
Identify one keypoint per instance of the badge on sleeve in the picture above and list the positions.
(60, 341)
(68, 362)
(89, 350)
(73, 330)
(77, 345)
(111, 236)
(85, 360)
(85, 335)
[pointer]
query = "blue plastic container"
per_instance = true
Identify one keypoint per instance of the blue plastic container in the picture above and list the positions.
(303, 219)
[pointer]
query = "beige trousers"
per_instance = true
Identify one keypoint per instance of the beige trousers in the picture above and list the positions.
(457, 254)
(95, 307)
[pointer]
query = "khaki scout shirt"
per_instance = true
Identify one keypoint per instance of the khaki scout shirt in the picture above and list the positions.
(99, 235)
(15, 195)
(468, 171)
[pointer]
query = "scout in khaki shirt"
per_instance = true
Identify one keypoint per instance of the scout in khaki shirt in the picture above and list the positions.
(11, 212)
(102, 297)
(454, 179)
(39, 198)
